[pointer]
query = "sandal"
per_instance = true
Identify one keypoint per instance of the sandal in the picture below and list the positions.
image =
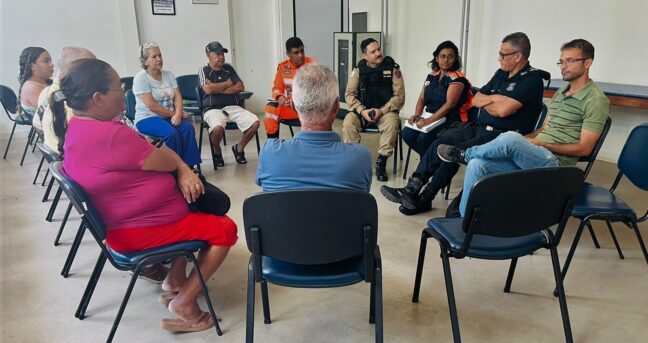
(238, 156)
(202, 322)
(166, 297)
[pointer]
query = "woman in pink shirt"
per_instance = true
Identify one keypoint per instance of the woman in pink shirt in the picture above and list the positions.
(130, 182)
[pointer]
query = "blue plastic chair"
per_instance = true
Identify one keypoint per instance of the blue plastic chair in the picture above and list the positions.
(327, 239)
(131, 261)
(126, 82)
(598, 203)
(186, 85)
(529, 203)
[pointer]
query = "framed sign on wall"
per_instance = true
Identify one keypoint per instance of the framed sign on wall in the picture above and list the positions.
(215, 2)
(163, 7)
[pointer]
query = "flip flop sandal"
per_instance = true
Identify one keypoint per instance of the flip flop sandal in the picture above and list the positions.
(238, 156)
(202, 322)
(166, 297)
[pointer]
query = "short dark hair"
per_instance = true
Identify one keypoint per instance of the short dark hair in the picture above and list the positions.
(520, 42)
(446, 45)
(365, 43)
(293, 43)
(586, 47)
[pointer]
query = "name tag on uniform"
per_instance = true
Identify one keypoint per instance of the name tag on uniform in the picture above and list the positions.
(387, 72)
(286, 70)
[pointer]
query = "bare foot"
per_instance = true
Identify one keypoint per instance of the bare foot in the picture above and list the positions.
(185, 310)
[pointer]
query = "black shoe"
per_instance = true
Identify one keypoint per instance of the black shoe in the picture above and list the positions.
(381, 172)
(218, 161)
(392, 194)
(408, 212)
(238, 156)
(449, 153)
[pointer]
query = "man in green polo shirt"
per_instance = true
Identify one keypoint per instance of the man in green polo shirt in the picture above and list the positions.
(576, 117)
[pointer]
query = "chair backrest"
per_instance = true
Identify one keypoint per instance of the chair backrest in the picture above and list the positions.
(186, 85)
(80, 201)
(8, 100)
(49, 154)
(541, 117)
(129, 97)
(311, 226)
(126, 82)
(199, 94)
(522, 202)
(632, 161)
(599, 143)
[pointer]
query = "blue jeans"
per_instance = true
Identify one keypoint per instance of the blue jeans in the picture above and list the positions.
(508, 152)
(181, 138)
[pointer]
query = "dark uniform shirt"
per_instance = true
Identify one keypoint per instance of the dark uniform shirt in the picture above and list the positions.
(218, 101)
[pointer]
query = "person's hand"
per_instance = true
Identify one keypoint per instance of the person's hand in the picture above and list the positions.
(185, 114)
(190, 185)
(423, 122)
(365, 114)
(229, 83)
(177, 118)
(413, 119)
(533, 141)
(379, 114)
(281, 100)
(207, 81)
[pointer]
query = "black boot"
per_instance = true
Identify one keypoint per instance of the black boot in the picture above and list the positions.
(381, 172)
(414, 204)
(414, 185)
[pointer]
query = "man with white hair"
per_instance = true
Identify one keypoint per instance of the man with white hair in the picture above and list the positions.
(316, 156)
(68, 55)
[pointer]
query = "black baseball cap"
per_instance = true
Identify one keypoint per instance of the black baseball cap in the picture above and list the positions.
(216, 47)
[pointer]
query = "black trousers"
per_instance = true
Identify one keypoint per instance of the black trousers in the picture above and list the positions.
(443, 172)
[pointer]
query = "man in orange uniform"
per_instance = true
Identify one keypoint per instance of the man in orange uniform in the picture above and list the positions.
(281, 108)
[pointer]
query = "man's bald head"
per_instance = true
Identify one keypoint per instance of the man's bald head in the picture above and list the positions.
(70, 54)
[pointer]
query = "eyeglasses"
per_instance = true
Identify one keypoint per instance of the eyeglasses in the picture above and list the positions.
(570, 61)
(502, 54)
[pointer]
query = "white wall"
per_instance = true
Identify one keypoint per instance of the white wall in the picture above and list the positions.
(373, 9)
(104, 27)
(182, 37)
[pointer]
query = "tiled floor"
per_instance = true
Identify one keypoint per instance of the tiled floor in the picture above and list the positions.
(607, 297)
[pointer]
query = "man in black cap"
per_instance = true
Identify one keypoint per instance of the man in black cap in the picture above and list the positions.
(220, 84)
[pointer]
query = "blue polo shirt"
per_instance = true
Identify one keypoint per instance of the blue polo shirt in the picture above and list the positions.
(313, 159)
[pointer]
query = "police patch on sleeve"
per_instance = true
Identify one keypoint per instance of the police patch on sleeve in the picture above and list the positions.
(398, 74)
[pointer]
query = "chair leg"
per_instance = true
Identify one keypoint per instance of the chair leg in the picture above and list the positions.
(48, 190)
(419, 266)
(249, 320)
(92, 283)
(409, 152)
(447, 274)
(570, 255)
(224, 137)
(40, 165)
(256, 135)
(378, 298)
(400, 145)
(213, 153)
(122, 307)
(266, 303)
(372, 302)
(52, 209)
(45, 177)
(200, 138)
(292, 134)
(614, 239)
(29, 138)
(205, 292)
(561, 295)
(35, 142)
(640, 239)
(395, 157)
(509, 277)
(447, 190)
(60, 230)
(9, 141)
(73, 250)
(593, 235)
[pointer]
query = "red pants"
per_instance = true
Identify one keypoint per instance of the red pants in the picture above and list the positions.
(195, 226)
(272, 116)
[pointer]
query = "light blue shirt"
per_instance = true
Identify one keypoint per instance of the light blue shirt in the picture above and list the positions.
(313, 159)
(162, 91)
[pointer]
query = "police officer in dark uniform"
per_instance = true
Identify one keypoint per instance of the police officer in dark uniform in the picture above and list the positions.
(375, 94)
(510, 101)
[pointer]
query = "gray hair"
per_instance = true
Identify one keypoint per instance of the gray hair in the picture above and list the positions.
(70, 54)
(144, 52)
(314, 92)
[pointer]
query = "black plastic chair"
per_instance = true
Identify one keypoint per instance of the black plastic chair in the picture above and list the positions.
(199, 94)
(529, 203)
(132, 261)
(592, 157)
(9, 102)
(598, 203)
(308, 247)
(187, 85)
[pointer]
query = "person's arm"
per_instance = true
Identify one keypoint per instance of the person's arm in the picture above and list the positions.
(30, 92)
(500, 105)
(164, 159)
(235, 88)
(210, 88)
(278, 87)
(582, 148)
(351, 95)
(418, 109)
(154, 106)
(179, 108)
(452, 98)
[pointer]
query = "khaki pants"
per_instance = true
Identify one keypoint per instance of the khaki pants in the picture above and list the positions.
(388, 124)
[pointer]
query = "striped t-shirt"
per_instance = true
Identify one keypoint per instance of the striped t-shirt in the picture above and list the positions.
(587, 109)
